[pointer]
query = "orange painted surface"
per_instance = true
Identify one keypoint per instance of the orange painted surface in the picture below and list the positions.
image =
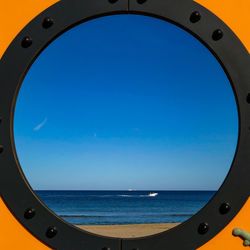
(13, 236)
(15, 14)
(235, 13)
(225, 240)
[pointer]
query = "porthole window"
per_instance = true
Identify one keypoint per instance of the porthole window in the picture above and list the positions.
(125, 125)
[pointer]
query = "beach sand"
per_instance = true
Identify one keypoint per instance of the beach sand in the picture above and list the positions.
(129, 231)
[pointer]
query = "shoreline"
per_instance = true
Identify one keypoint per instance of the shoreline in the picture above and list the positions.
(128, 231)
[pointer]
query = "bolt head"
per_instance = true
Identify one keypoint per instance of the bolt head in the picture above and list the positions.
(217, 35)
(26, 42)
(141, 1)
(225, 208)
(248, 98)
(195, 17)
(1, 149)
(51, 232)
(47, 22)
(29, 213)
(203, 228)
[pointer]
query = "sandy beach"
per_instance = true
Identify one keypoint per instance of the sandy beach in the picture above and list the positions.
(129, 231)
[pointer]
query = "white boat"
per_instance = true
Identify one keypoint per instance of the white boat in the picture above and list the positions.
(152, 194)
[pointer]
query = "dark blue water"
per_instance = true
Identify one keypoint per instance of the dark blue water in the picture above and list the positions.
(124, 207)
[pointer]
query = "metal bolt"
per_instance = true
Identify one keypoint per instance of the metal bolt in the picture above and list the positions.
(195, 17)
(26, 42)
(29, 213)
(248, 98)
(113, 1)
(51, 232)
(47, 22)
(141, 1)
(225, 208)
(217, 35)
(203, 228)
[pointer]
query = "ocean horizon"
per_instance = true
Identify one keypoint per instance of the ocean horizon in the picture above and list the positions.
(121, 207)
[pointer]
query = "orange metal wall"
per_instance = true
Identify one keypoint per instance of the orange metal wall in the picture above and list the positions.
(13, 236)
(235, 13)
(15, 14)
(225, 240)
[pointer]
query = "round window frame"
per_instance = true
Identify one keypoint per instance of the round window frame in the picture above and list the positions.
(35, 37)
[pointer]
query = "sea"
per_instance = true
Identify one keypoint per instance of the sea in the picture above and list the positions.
(124, 207)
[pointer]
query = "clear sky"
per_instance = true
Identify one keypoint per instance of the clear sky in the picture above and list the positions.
(126, 102)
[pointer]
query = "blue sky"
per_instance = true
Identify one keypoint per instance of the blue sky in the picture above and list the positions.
(126, 102)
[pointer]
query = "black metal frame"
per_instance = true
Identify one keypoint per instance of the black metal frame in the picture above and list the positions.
(41, 31)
